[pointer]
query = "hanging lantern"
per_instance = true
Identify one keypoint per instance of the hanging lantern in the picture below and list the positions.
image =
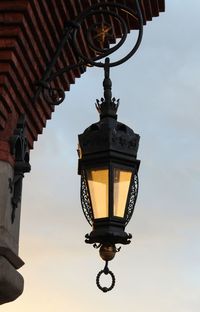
(108, 167)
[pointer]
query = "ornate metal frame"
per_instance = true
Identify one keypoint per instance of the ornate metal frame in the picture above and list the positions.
(97, 37)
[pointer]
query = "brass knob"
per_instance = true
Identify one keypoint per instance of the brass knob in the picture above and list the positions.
(107, 251)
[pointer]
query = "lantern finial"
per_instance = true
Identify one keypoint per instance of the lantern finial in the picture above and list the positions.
(108, 106)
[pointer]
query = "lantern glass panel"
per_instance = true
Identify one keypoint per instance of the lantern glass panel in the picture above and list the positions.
(122, 179)
(99, 188)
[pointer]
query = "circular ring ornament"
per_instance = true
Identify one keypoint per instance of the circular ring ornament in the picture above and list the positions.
(107, 272)
(113, 11)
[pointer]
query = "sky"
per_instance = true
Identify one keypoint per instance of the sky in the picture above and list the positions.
(160, 270)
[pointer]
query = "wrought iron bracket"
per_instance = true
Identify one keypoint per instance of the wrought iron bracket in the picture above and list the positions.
(20, 151)
(98, 37)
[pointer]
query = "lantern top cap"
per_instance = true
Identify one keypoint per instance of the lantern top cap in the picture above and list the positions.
(108, 134)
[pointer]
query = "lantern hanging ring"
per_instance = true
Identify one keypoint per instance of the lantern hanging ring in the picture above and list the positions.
(105, 271)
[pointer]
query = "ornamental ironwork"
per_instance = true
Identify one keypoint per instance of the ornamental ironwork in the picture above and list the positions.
(133, 197)
(95, 24)
(85, 200)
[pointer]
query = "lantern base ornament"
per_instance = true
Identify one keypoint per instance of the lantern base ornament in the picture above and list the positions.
(108, 233)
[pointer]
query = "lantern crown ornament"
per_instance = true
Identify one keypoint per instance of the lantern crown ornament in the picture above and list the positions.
(108, 166)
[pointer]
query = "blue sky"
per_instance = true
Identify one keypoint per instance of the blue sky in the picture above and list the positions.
(159, 98)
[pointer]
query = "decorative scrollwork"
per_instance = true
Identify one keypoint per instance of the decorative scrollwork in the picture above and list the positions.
(133, 197)
(101, 34)
(85, 201)
(53, 96)
(100, 38)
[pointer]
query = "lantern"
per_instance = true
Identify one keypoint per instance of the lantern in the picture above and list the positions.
(108, 167)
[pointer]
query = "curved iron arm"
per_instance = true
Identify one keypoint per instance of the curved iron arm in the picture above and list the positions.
(55, 96)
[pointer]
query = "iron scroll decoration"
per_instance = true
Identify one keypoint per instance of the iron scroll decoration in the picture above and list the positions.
(97, 37)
